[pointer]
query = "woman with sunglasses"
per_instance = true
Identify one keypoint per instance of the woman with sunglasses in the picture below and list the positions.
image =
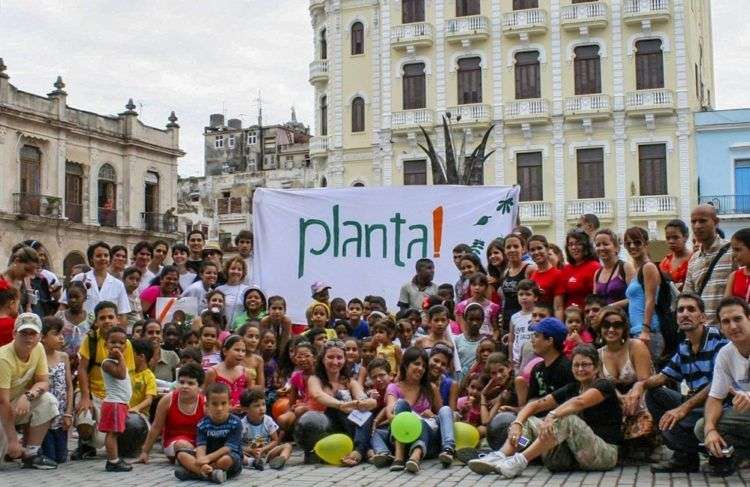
(642, 291)
(585, 417)
(626, 361)
(333, 390)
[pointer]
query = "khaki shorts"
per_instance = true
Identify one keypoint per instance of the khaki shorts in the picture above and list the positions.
(89, 419)
(42, 410)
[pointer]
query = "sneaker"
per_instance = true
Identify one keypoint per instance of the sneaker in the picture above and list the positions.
(446, 457)
(511, 467)
(218, 476)
(39, 462)
(486, 463)
(397, 466)
(277, 463)
(380, 460)
(412, 466)
(120, 466)
(676, 465)
(258, 464)
(182, 473)
(83, 452)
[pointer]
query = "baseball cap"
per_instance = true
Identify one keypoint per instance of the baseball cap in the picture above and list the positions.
(212, 247)
(28, 321)
(551, 328)
(319, 286)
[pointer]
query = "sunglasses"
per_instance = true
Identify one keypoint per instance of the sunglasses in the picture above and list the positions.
(334, 344)
(613, 324)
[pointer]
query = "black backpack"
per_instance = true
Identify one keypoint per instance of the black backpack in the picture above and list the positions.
(666, 301)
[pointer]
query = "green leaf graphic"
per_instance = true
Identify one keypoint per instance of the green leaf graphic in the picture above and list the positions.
(483, 220)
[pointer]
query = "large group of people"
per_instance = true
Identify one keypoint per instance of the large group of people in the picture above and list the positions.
(577, 357)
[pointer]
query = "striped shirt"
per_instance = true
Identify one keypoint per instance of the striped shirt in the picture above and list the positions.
(696, 369)
(713, 291)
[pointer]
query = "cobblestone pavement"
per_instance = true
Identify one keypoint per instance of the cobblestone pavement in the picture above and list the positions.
(159, 472)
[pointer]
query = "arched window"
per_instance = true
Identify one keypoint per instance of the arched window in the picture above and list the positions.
(358, 184)
(107, 198)
(323, 182)
(323, 45)
(323, 115)
(358, 38)
(358, 114)
(31, 180)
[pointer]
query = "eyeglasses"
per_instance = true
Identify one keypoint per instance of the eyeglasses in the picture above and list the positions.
(613, 324)
(334, 344)
(583, 365)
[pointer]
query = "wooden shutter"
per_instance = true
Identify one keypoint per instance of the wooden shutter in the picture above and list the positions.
(587, 70)
(469, 81)
(467, 7)
(528, 83)
(415, 172)
(590, 173)
(323, 115)
(415, 95)
(529, 175)
(358, 38)
(652, 169)
(525, 4)
(649, 65)
(323, 45)
(358, 115)
(412, 11)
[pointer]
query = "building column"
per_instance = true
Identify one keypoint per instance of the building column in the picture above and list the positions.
(498, 133)
(558, 155)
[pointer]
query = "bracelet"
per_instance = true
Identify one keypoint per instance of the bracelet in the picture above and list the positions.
(67, 415)
(518, 423)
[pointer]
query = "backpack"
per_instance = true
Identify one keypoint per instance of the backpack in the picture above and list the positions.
(666, 305)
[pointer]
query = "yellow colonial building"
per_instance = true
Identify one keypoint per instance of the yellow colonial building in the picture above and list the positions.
(591, 101)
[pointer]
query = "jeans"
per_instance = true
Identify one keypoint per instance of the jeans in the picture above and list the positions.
(431, 441)
(55, 445)
(681, 438)
(497, 431)
(361, 434)
(734, 427)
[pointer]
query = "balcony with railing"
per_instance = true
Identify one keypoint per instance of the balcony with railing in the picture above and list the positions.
(535, 211)
(602, 207)
(464, 30)
(411, 36)
(588, 106)
(108, 217)
(319, 71)
(654, 206)
(229, 206)
(660, 101)
(470, 115)
(646, 11)
(319, 146)
(408, 120)
(531, 110)
(37, 205)
(525, 23)
(159, 222)
(584, 17)
(729, 204)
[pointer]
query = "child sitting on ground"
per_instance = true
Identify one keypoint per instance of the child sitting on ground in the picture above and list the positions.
(218, 453)
(114, 411)
(260, 434)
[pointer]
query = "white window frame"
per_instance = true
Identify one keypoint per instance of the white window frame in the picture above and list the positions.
(219, 142)
(252, 138)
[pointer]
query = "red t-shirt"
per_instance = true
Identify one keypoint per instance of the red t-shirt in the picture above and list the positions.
(6, 330)
(578, 282)
(741, 286)
(550, 282)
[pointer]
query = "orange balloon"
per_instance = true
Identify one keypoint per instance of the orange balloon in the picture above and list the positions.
(280, 407)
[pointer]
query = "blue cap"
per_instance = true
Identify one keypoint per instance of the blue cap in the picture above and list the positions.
(551, 328)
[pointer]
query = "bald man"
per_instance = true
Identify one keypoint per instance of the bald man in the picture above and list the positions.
(708, 268)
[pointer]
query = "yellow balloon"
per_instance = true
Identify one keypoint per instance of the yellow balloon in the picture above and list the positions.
(466, 435)
(333, 448)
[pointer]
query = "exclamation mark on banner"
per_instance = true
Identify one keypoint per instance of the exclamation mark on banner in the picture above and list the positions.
(437, 225)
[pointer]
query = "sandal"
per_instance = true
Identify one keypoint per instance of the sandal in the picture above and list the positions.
(412, 466)
(352, 460)
(277, 463)
(446, 457)
(397, 466)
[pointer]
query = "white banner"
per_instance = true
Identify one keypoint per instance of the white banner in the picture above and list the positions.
(367, 240)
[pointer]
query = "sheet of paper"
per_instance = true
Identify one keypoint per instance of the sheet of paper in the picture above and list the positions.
(359, 417)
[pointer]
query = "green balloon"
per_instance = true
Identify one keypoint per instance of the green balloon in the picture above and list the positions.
(406, 427)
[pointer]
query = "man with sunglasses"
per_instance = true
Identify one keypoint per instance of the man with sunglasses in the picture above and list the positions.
(693, 363)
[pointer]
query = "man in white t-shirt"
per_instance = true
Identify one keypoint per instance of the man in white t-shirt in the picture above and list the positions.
(726, 430)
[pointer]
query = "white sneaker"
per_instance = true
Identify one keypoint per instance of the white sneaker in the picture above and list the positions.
(511, 467)
(486, 463)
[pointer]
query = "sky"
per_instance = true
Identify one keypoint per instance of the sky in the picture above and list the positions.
(199, 58)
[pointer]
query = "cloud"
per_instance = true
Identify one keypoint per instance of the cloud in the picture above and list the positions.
(198, 58)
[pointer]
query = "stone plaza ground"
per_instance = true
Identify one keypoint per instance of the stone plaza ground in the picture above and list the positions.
(158, 473)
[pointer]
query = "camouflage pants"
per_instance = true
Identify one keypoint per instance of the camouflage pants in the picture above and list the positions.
(578, 447)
